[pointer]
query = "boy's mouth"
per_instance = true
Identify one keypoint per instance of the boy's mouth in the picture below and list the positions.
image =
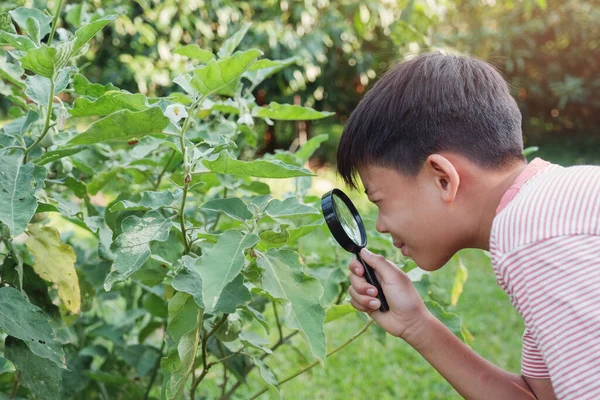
(401, 246)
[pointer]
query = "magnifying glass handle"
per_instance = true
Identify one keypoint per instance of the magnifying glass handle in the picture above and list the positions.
(372, 279)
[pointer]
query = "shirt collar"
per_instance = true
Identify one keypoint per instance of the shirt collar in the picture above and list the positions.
(528, 172)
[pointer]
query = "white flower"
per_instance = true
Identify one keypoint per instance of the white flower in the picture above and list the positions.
(246, 119)
(175, 112)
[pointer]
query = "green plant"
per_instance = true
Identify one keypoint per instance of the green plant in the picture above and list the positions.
(141, 246)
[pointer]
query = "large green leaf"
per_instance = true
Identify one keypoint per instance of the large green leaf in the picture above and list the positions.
(310, 147)
(132, 247)
(233, 207)
(219, 74)
(289, 112)
(18, 186)
(284, 279)
(262, 69)
(55, 262)
(289, 207)
(452, 321)
(85, 33)
(195, 52)
(84, 87)
(219, 266)
(150, 201)
(188, 281)
(185, 323)
(21, 14)
(109, 103)
(229, 46)
(40, 60)
(123, 125)
(37, 374)
(225, 164)
(23, 320)
(22, 43)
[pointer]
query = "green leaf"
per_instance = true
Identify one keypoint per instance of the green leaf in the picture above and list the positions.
(22, 43)
(6, 23)
(338, 311)
(150, 201)
(55, 262)
(452, 321)
(258, 316)
(37, 374)
(179, 363)
(18, 185)
(194, 52)
(272, 238)
(109, 103)
(530, 150)
(86, 32)
(268, 377)
(228, 254)
(20, 126)
(284, 279)
(459, 280)
(141, 357)
(254, 340)
(233, 207)
(155, 305)
(101, 179)
(21, 15)
(225, 164)
(33, 29)
(289, 207)
(289, 112)
(38, 87)
(262, 69)
(23, 320)
(229, 46)
(40, 60)
(310, 147)
(182, 312)
(219, 74)
(6, 366)
(84, 87)
(54, 155)
(123, 125)
(132, 247)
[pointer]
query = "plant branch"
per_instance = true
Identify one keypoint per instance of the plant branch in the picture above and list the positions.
(160, 176)
(182, 219)
(277, 320)
(206, 366)
(306, 368)
(54, 23)
(224, 385)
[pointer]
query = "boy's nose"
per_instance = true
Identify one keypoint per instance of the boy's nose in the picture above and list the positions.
(379, 225)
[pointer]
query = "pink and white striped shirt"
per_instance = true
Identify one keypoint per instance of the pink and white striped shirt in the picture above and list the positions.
(545, 248)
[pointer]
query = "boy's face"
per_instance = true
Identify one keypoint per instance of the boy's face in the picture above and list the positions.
(416, 212)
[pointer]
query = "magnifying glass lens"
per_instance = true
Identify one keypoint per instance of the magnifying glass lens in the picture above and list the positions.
(347, 220)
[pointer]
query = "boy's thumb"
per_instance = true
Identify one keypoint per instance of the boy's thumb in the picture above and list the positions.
(378, 263)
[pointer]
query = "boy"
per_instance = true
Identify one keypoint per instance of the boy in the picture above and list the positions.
(437, 144)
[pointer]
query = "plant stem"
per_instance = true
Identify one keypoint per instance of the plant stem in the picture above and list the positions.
(206, 366)
(306, 368)
(156, 368)
(157, 184)
(277, 319)
(46, 124)
(54, 22)
(182, 218)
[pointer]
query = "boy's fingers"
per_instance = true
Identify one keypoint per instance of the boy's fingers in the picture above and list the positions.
(358, 306)
(367, 302)
(362, 286)
(356, 267)
(384, 270)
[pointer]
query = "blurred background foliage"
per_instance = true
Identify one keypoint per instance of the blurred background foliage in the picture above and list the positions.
(548, 50)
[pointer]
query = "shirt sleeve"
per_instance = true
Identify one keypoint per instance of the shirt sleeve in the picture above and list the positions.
(555, 285)
(532, 362)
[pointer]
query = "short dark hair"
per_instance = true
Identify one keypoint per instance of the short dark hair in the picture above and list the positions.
(431, 103)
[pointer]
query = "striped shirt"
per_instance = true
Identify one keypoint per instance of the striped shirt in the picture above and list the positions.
(545, 248)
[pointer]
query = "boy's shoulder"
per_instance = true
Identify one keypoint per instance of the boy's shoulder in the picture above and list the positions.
(555, 201)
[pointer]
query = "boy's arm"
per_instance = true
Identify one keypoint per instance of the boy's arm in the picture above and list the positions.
(470, 374)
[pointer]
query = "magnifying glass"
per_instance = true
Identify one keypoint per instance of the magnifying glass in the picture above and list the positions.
(348, 229)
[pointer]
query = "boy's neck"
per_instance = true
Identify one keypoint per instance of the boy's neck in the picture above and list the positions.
(488, 194)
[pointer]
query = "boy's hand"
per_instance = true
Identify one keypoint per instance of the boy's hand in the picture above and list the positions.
(407, 311)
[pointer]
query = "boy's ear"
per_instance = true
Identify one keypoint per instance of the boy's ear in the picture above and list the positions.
(446, 177)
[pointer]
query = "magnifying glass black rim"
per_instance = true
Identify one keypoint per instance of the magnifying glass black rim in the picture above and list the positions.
(334, 224)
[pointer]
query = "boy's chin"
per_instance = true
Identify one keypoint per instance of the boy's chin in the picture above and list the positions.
(429, 264)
